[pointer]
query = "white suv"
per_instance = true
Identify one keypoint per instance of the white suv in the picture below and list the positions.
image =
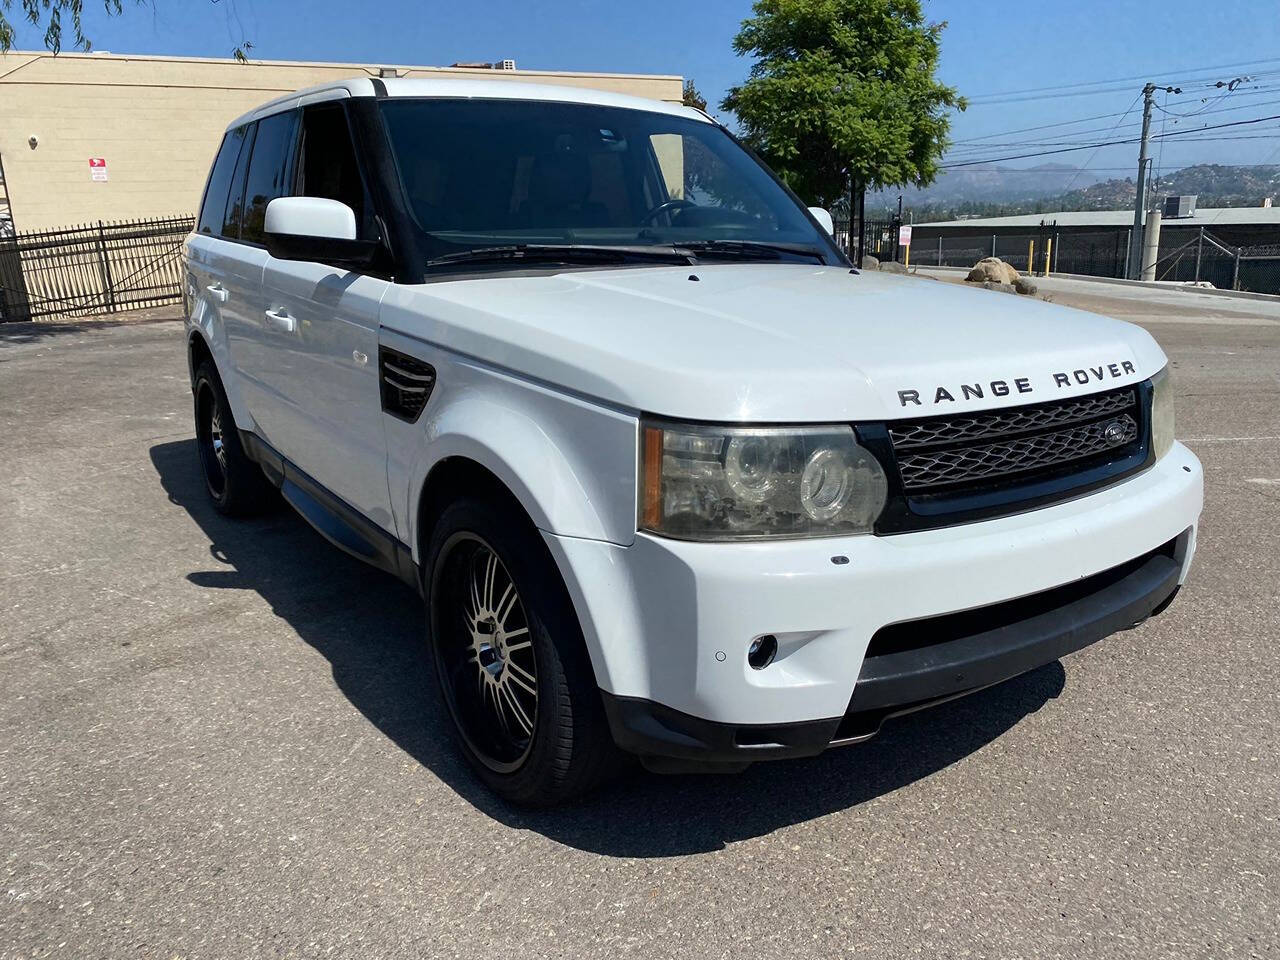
(671, 476)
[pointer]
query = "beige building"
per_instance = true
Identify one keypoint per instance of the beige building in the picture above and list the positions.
(87, 137)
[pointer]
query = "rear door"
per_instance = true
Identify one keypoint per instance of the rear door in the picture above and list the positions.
(220, 277)
(265, 164)
(322, 358)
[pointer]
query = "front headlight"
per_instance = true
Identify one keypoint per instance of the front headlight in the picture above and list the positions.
(756, 483)
(1162, 413)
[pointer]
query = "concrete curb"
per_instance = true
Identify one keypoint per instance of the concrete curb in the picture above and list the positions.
(1179, 287)
(1150, 284)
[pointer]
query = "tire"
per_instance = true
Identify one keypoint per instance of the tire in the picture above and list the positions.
(236, 485)
(510, 659)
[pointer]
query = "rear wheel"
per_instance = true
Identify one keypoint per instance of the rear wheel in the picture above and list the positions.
(510, 659)
(237, 486)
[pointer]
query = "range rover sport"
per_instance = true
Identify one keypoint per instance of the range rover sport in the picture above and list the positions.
(670, 474)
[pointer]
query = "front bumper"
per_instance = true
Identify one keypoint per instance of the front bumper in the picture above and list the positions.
(932, 662)
(668, 623)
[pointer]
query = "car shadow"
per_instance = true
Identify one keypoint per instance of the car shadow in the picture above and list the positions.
(369, 627)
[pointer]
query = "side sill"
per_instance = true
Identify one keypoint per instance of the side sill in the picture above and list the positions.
(333, 518)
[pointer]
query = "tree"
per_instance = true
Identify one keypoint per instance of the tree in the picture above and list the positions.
(49, 14)
(843, 89)
(692, 98)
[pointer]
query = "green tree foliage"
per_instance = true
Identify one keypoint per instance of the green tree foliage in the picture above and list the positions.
(55, 16)
(50, 14)
(843, 88)
(692, 98)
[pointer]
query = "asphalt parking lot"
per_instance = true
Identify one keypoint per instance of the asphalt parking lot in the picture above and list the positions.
(222, 740)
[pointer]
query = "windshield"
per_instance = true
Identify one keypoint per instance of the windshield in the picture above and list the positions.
(479, 174)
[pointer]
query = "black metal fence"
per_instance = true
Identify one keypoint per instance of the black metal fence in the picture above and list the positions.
(92, 269)
(879, 237)
(1097, 254)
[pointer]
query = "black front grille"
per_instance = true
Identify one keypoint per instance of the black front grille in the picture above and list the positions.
(975, 466)
(949, 453)
(1002, 423)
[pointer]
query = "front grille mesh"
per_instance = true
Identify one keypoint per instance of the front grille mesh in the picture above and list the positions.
(946, 452)
(1003, 423)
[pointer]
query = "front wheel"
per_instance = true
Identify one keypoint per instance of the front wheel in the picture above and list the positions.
(510, 659)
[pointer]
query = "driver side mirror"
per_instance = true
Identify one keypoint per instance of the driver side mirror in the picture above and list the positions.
(824, 219)
(315, 229)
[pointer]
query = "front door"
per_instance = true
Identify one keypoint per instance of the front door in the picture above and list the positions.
(325, 330)
(321, 340)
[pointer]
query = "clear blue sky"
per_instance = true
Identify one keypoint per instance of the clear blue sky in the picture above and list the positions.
(987, 49)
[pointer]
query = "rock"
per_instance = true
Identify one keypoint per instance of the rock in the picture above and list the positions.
(1000, 287)
(870, 263)
(992, 269)
(1026, 286)
(892, 266)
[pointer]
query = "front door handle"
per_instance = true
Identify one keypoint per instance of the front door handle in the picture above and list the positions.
(218, 292)
(279, 319)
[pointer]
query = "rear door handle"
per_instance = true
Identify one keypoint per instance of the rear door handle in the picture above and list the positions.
(218, 292)
(279, 319)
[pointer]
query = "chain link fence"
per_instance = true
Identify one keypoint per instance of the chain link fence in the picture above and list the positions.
(1205, 257)
(1259, 268)
(1185, 255)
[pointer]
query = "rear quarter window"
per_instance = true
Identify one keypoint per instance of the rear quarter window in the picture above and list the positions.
(235, 201)
(214, 207)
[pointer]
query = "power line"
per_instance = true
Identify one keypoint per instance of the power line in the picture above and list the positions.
(1263, 136)
(1061, 94)
(1064, 171)
(1043, 126)
(978, 148)
(1260, 90)
(1093, 83)
(1111, 143)
(1129, 110)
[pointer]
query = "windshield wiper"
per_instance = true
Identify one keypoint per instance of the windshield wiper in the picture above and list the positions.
(753, 249)
(568, 253)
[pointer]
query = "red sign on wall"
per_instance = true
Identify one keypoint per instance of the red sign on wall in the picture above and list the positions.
(98, 168)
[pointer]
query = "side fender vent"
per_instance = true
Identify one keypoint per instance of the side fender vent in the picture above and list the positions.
(406, 384)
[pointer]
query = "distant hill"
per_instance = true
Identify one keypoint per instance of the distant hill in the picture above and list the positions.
(984, 185)
(1216, 185)
(998, 191)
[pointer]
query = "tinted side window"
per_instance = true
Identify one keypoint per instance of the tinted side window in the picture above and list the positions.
(215, 194)
(328, 159)
(268, 170)
(235, 200)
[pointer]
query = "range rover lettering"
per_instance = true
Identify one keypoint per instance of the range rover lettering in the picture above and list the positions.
(672, 477)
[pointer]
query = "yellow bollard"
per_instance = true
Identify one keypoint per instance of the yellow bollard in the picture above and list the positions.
(906, 255)
(1048, 249)
(1031, 258)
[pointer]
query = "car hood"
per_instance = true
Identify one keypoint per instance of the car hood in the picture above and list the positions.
(774, 342)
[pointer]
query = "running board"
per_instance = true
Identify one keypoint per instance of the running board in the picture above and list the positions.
(333, 518)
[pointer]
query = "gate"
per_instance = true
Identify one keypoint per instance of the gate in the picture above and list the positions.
(92, 269)
(879, 237)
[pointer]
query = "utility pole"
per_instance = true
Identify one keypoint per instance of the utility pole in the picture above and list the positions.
(1140, 202)
(1139, 205)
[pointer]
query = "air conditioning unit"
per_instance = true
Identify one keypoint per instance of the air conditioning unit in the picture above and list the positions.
(1183, 206)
